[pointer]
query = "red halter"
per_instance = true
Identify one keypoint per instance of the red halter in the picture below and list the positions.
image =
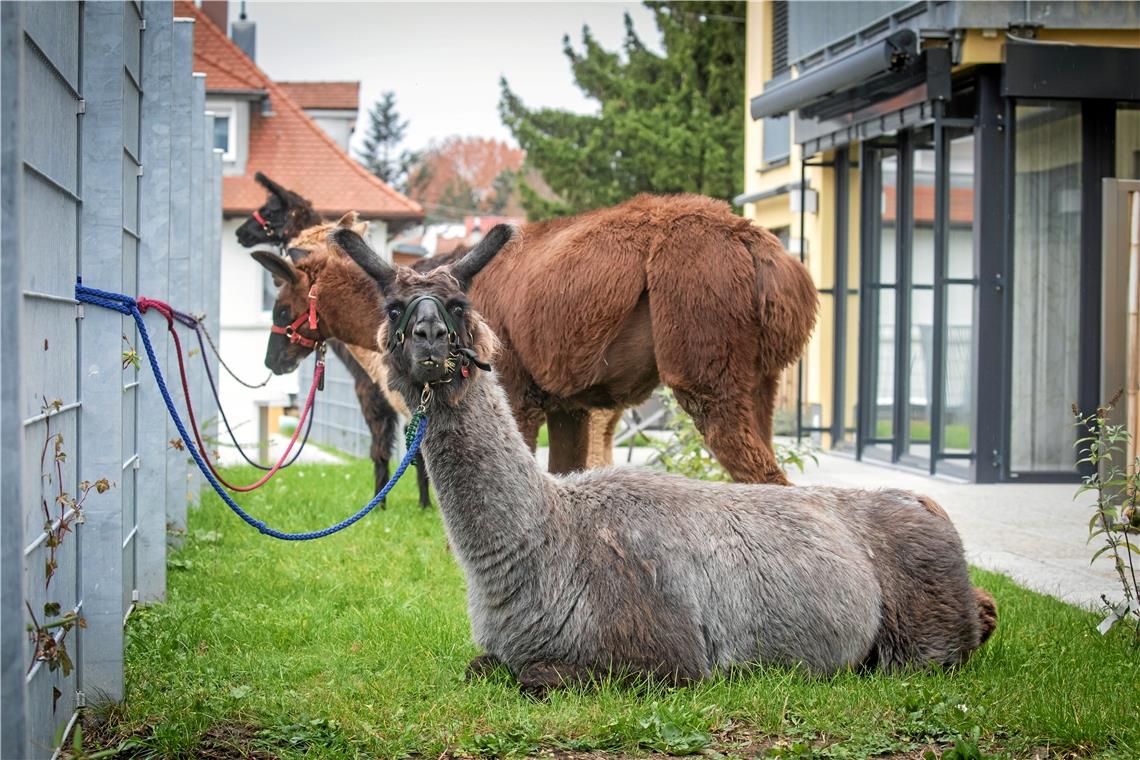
(309, 315)
(266, 227)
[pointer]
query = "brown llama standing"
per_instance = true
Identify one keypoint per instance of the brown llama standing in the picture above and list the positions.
(594, 311)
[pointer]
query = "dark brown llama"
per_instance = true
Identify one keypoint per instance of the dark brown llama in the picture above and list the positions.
(594, 311)
(282, 218)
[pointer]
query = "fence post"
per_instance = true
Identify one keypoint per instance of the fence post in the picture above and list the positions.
(197, 238)
(210, 426)
(13, 640)
(177, 468)
(154, 272)
(101, 348)
(214, 257)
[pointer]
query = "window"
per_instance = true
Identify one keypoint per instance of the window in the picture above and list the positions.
(222, 133)
(778, 129)
(225, 133)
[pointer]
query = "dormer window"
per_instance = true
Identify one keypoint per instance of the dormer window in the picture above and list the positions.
(222, 133)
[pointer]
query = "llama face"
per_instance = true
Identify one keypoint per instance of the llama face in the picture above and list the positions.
(277, 215)
(314, 277)
(430, 334)
(284, 354)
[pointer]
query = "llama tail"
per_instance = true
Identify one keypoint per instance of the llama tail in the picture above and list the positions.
(987, 613)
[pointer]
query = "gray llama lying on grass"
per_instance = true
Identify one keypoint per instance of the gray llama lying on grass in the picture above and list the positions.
(633, 571)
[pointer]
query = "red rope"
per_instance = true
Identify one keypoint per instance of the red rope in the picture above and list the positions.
(165, 310)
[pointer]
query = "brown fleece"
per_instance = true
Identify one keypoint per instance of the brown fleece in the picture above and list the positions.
(595, 310)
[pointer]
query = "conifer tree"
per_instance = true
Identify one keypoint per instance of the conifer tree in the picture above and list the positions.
(380, 150)
(666, 123)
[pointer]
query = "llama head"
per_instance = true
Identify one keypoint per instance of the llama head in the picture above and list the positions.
(430, 334)
(282, 216)
(316, 276)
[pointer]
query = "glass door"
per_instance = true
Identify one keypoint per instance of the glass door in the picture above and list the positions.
(879, 167)
(917, 341)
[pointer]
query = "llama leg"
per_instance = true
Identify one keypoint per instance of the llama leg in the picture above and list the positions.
(728, 427)
(380, 474)
(422, 481)
(529, 419)
(538, 678)
(600, 449)
(569, 439)
(381, 424)
(482, 666)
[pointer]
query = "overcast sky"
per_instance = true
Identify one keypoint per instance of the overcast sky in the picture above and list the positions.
(443, 60)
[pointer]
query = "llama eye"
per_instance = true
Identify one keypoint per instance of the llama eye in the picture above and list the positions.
(394, 313)
(457, 310)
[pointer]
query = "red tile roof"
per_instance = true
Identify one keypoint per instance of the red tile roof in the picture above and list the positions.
(287, 146)
(338, 96)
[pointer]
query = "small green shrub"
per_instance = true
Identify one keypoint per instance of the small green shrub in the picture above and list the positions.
(684, 452)
(1116, 518)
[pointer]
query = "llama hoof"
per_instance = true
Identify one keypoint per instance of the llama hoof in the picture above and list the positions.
(987, 613)
(481, 666)
(538, 679)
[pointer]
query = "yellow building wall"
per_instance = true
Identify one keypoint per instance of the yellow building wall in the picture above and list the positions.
(815, 236)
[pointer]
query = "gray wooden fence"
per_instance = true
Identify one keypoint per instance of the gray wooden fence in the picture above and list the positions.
(108, 174)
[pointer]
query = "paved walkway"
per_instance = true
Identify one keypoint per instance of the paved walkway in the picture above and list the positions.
(228, 455)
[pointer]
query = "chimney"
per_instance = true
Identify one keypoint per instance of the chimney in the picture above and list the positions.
(218, 12)
(244, 34)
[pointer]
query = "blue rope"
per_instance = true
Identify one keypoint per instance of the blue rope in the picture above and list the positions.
(127, 306)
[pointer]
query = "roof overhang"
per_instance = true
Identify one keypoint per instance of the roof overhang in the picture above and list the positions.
(859, 68)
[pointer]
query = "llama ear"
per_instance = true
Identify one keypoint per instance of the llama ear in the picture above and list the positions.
(348, 220)
(471, 264)
(366, 258)
(280, 267)
(296, 254)
(272, 187)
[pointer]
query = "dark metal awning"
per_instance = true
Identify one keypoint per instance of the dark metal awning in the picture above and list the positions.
(891, 54)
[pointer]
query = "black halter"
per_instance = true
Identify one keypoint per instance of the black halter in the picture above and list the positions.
(461, 357)
(398, 334)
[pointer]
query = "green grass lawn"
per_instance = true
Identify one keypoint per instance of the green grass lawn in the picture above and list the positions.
(355, 646)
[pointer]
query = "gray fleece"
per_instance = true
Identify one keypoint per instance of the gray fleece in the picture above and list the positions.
(634, 570)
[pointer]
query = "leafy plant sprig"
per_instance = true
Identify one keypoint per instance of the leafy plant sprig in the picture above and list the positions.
(64, 509)
(1116, 518)
(46, 647)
